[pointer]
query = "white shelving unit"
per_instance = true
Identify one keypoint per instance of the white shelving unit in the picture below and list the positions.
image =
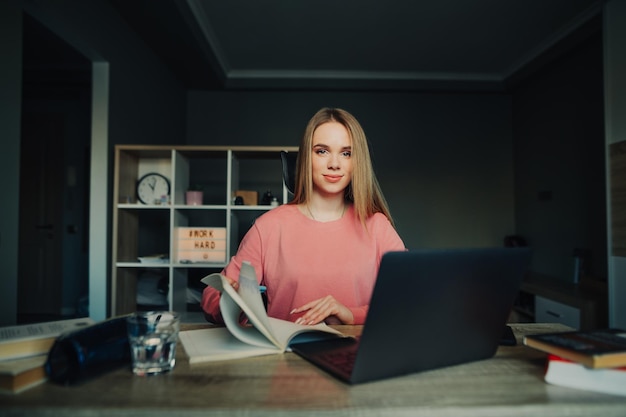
(143, 230)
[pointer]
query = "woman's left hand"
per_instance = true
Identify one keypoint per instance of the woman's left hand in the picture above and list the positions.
(319, 310)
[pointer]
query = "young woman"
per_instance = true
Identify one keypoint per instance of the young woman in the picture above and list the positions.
(319, 255)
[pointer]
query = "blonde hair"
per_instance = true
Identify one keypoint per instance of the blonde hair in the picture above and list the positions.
(364, 191)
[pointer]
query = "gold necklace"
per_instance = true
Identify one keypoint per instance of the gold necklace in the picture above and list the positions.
(343, 211)
(310, 213)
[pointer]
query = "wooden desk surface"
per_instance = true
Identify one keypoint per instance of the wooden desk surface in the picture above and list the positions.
(509, 384)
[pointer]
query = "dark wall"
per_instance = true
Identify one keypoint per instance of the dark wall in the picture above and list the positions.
(56, 85)
(145, 104)
(558, 131)
(146, 101)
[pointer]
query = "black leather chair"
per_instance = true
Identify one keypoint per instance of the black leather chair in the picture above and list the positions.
(288, 160)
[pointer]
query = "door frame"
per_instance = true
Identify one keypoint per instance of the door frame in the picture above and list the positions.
(99, 193)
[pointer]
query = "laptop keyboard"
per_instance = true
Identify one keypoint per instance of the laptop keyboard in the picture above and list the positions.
(342, 360)
(336, 355)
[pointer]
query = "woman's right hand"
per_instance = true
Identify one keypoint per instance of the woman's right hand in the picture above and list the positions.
(324, 308)
(233, 283)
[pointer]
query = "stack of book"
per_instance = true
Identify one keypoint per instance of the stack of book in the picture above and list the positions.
(24, 351)
(589, 360)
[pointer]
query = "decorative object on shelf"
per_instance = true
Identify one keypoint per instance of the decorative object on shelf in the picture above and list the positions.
(267, 198)
(126, 199)
(193, 197)
(201, 244)
(250, 198)
(153, 188)
(154, 259)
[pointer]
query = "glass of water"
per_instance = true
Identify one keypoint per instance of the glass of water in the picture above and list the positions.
(153, 336)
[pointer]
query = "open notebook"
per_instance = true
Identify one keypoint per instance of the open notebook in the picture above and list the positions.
(429, 309)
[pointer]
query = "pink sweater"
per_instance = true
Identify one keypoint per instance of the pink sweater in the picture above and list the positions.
(301, 260)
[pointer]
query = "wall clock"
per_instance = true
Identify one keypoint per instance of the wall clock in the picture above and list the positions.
(152, 187)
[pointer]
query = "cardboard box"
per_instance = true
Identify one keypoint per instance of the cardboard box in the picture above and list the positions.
(250, 198)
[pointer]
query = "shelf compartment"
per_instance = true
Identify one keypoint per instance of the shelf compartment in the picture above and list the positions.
(145, 233)
(204, 171)
(133, 164)
(257, 171)
(134, 290)
(187, 291)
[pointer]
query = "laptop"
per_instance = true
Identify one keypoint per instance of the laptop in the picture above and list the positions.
(429, 309)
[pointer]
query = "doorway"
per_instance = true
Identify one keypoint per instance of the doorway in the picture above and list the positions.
(54, 178)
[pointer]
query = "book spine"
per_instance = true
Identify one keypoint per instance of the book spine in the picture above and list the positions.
(38, 330)
(559, 351)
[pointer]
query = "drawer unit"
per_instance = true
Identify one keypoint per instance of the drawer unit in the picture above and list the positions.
(550, 311)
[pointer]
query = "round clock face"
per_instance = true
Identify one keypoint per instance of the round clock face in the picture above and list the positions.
(151, 188)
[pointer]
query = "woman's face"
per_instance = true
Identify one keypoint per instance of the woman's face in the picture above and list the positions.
(331, 158)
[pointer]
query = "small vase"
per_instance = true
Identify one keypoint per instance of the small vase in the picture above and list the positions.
(193, 198)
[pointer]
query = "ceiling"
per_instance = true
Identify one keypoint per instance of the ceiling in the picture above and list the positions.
(349, 44)
(352, 44)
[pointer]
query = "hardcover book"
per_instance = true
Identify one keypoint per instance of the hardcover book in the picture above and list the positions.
(570, 374)
(34, 339)
(594, 348)
(18, 375)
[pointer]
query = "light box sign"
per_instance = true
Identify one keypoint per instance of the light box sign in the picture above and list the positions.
(201, 244)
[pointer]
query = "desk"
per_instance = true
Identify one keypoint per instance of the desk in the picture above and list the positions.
(509, 384)
(587, 298)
